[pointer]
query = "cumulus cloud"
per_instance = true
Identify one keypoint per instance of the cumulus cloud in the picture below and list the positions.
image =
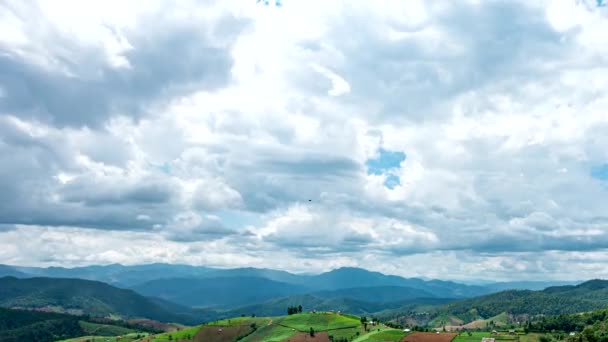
(464, 137)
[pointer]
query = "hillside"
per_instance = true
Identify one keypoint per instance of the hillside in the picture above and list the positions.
(17, 325)
(325, 326)
(584, 297)
(89, 297)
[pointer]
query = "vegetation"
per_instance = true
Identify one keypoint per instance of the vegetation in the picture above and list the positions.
(88, 297)
(322, 321)
(294, 310)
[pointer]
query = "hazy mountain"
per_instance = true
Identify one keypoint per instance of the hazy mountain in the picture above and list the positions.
(90, 297)
(9, 271)
(377, 294)
(115, 274)
(527, 285)
(348, 277)
(225, 292)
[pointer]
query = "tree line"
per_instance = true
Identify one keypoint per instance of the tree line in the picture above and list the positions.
(291, 310)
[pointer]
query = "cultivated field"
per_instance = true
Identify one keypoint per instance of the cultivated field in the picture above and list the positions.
(391, 335)
(320, 321)
(430, 337)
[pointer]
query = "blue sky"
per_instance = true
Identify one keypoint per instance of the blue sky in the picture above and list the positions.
(458, 140)
(385, 164)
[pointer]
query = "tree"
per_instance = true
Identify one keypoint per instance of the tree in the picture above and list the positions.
(312, 332)
(299, 308)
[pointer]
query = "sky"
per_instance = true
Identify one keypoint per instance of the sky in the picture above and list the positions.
(444, 139)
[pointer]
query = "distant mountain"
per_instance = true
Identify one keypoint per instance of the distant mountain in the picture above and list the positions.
(377, 294)
(9, 271)
(280, 276)
(349, 277)
(226, 289)
(115, 274)
(90, 297)
(227, 292)
(526, 285)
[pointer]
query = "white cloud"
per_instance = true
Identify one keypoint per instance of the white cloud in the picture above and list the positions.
(224, 111)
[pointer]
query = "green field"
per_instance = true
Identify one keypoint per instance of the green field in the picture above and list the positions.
(382, 335)
(271, 333)
(319, 321)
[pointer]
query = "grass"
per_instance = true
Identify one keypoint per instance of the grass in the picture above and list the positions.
(529, 337)
(392, 335)
(348, 333)
(271, 333)
(319, 321)
(177, 335)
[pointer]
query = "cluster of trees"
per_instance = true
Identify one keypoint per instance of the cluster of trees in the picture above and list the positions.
(23, 325)
(294, 310)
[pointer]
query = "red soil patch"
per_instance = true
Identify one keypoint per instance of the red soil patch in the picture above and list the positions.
(429, 337)
(221, 334)
(305, 337)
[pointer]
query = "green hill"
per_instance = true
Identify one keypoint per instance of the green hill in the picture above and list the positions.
(276, 329)
(588, 296)
(91, 298)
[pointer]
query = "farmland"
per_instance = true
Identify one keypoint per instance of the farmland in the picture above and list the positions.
(327, 326)
(430, 337)
(293, 328)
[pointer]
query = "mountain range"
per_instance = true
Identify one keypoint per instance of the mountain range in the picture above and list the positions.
(183, 293)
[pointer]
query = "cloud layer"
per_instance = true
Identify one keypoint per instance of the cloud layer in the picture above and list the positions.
(458, 140)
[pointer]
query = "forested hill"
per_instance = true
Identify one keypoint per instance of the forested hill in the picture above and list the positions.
(584, 297)
(89, 297)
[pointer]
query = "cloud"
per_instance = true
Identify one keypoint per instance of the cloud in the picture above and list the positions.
(69, 80)
(465, 138)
